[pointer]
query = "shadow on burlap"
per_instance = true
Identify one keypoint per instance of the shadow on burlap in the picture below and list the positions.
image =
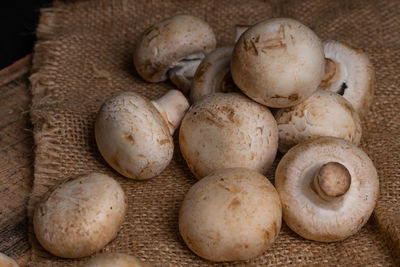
(84, 55)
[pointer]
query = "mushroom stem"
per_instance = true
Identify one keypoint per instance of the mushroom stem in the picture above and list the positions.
(332, 181)
(181, 73)
(239, 30)
(332, 73)
(172, 106)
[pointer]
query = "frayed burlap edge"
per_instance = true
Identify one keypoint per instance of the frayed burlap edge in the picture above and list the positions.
(41, 85)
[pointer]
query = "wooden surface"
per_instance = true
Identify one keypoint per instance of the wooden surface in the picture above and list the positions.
(16, 70)
(16, 160)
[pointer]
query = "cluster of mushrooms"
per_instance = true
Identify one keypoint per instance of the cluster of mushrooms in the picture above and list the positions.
(325, 186)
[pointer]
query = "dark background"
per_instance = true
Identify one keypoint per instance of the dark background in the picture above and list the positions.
(18, 22)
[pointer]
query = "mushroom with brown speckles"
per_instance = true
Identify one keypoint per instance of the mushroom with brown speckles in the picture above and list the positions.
(173, 48)
(80, 216)
(278, 62)
(226, 130)
(134, 134)
(213, 74)
(115, 260)
(323, 114)
(232, 214)
(328, 188)
(349, 72)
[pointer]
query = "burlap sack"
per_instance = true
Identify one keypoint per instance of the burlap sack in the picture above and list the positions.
(84, 55)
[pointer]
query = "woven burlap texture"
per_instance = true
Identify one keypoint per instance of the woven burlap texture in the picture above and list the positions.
(84, 55)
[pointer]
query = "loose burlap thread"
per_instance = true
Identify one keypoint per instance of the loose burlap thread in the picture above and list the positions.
(84, 55)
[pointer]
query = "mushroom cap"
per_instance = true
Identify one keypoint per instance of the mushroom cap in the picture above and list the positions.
(80, 216)
(211, 74)
(115, 260)
(356, 73)
(323, 114)
(309, 215)
(240, 29)
(225, 130)
(169, 41)
(233, 214)
(6, 261)
(278, 62)
(133, 137)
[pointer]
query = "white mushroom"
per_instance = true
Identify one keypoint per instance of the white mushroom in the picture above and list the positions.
(323, 114)
(173, 48)
(115, 260)
(213, 74)
(349, 73)
(80, 216)
(133, 134)
(233, 214)
(6, 261)
(239, 30)
(328, 188)
(226, 130)
(278, 62)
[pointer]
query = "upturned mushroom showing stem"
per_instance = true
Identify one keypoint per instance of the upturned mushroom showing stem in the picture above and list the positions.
(332, 181)
(173, 49)
(133, 134)
(328, 188)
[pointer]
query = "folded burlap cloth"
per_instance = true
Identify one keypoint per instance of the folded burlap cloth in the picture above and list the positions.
(84, 55)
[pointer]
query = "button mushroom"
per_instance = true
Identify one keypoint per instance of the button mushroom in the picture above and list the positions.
(233, 214)
(239, 30)
(133, 134)
(349, 73)
(328, 189)
(278, 62)
(213, 74)
(115, 260)
(173, 48)
(80, 216)
(323, 114)
(225, 130)
(6, 261)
